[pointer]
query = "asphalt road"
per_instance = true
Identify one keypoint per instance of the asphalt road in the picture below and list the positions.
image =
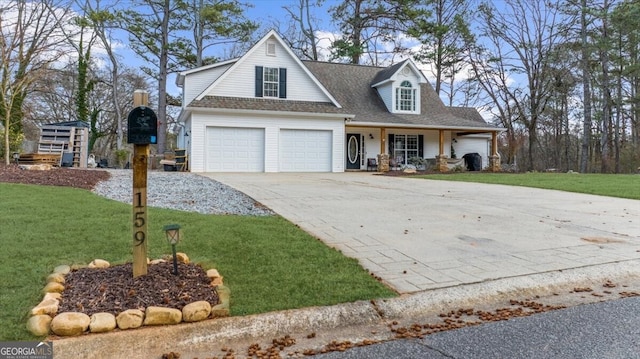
(593, 331)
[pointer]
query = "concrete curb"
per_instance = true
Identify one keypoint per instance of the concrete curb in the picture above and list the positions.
(152, 342)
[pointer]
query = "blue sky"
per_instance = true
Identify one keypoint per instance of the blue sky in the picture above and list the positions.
(265, 11)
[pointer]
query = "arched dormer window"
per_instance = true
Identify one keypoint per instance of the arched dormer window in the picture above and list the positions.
(406, 97)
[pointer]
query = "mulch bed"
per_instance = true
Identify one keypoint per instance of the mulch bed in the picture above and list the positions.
(57, 176)
(114, 290)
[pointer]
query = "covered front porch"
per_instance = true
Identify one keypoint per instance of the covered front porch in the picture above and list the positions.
(442, 149)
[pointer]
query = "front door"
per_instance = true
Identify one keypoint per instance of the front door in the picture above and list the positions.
(354, 151)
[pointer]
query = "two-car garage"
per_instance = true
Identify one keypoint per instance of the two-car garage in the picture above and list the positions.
(247, 149)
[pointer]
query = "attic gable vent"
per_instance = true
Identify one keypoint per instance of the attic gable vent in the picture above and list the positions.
(271, 48)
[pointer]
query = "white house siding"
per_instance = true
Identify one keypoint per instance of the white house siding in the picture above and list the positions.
(480, 144)
(241, 82)
(197, 82)
(386, 94)
(431, 141)
(272, 126)
(432, 144)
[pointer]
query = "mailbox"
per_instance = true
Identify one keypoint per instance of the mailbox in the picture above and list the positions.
(143, 126)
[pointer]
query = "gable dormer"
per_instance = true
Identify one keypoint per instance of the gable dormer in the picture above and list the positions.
(269, 71)
(399, 87)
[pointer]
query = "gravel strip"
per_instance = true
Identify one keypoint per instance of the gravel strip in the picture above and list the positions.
(182, 191)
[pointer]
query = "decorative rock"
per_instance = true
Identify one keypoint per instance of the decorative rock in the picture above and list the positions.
(99, 263)
(47, 306)
(130, 318)
(213, 273)
(157, 261)
(161, 316)
(53, 287)
(216, 278)
(102, 322)
(39, 325)
(52, 295)
(70, 323)
(196, 311)
(182, 257)
(222, 309)
(216, 282)
(62, 269)
(56, 277)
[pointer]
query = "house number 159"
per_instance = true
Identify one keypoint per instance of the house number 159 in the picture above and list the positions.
(139, 219)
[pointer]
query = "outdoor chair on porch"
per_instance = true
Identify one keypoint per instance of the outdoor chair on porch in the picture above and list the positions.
(393, 164)
(372, 163)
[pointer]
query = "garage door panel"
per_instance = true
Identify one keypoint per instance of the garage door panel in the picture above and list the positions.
(235, 149)
(305, 150)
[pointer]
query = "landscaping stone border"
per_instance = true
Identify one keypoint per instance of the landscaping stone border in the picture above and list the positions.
(45, 319)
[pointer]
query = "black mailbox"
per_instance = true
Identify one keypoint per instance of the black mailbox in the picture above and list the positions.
(143, 126)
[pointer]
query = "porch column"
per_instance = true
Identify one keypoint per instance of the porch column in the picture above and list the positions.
(494, 159)
(441, 158)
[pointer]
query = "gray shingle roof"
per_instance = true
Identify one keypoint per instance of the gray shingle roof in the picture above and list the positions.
(387, 72)
(469, 113)
(262, 104)
(350, 85)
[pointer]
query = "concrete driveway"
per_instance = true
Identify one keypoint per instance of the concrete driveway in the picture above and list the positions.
(422, 234)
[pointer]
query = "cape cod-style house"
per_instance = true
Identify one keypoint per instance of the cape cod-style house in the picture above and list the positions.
(268, 111)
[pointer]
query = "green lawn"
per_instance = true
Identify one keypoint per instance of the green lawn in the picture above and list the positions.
(267, 262)
(623, 186)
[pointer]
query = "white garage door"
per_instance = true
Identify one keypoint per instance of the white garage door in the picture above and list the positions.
(305, 151)
(231, 149)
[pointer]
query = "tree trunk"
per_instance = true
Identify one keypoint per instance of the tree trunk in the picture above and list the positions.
(586, 83)
(162, 80)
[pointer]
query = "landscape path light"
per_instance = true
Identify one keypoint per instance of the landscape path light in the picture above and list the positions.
(173, 237)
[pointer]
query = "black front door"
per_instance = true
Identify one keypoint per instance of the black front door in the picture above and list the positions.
(353, 151)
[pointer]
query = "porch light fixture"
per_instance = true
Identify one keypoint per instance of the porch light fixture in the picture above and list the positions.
(173, 237)
(371, 136)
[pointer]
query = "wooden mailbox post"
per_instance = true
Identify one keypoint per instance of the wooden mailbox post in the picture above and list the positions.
(142, 131)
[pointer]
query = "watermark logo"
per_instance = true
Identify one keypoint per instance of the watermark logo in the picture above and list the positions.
(26, 350)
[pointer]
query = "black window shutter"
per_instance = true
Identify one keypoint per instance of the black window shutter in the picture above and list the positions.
(283, 83)
(391, 145)
(259, 73)
(421, 146)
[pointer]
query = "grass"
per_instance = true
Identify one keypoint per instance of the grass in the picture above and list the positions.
(268, 263)
(619, 185)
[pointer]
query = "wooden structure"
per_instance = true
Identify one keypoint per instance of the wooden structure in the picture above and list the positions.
(175, 160)
(69, 141)
(140, 163)
(40, 158)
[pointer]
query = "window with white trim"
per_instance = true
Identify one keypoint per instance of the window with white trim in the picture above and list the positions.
(406, 97)
(270, 82)
(405, 147)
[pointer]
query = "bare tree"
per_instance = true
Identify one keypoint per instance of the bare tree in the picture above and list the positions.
(523, 33)
(586, 87)
(301, 34)
(372, 27)
(30, 43)
(103, 23)
(217, 22)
